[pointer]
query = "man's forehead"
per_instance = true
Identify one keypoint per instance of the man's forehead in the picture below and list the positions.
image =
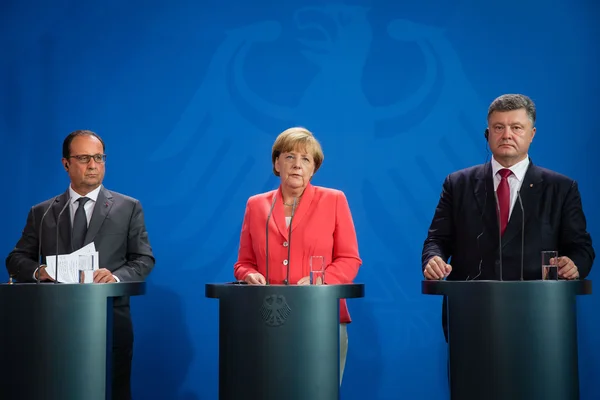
(513, 115)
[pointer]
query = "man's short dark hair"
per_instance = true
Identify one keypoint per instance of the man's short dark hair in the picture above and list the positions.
(510, 102)
(66, 151)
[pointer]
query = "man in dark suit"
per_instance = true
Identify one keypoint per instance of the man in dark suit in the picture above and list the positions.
(480, 205)
(112, 221)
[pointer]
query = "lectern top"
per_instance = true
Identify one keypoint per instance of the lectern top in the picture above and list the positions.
(448, 288)
(68, 289)
(342, 291)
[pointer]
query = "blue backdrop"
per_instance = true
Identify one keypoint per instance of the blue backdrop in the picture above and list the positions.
(189, 96)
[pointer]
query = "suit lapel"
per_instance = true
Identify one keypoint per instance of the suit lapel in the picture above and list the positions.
(486, 199)
(64, 225)
(104, 203)
(279, 214)
(484, 194)
(531, 190)
(303, 206)
(301, 210)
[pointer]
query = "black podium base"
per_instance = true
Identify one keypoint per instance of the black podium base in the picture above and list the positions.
(279, 342)
(55, 340)
(512, 340)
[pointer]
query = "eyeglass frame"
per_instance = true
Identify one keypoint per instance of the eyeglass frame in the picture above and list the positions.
(102, 158)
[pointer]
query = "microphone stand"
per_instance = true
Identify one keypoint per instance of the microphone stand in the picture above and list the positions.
(57, 237)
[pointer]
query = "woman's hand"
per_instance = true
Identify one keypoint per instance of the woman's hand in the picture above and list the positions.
(255, 279)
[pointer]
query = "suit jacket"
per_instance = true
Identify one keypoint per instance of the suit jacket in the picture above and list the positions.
(117, 229)
(322, 226)
(465, 226)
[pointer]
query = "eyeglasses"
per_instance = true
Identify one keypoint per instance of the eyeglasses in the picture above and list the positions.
(85, 158)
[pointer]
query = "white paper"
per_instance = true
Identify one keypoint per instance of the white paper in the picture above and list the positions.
(68, 264)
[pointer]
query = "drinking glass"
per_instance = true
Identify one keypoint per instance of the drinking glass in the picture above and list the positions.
(550, 265)
(317, 270)
(85, 268)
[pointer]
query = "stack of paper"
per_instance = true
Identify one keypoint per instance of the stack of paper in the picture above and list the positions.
(68, 264)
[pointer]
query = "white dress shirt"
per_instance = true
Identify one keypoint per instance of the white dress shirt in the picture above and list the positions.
(88, 206)
(515, 180)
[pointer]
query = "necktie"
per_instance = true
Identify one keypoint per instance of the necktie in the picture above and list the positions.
(504, 198)
(79, 225)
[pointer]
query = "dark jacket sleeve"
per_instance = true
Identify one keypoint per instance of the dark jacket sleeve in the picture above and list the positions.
(22, 261)
(574, 240)
(439, 240)
(140, 259)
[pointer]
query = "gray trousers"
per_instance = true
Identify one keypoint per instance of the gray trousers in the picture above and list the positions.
(343, 348)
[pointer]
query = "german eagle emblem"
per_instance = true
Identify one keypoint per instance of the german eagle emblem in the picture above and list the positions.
(275, 310)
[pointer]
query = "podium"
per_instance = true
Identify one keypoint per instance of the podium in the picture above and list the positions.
(56, 339)
(279, 341)
(512, 340)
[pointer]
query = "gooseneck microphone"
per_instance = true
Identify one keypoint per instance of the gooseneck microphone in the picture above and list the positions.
(287, 276)
(267, 237)
(40, 233)
(499, 232)
(57, 237)
(522, 230)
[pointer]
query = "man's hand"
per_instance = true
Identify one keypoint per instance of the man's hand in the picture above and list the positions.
(566, 268)
(255, 279)
(436, 269)
(44, 276)
(103, 275)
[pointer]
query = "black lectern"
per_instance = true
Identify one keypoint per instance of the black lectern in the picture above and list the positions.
(280, 342)
(512, 340)
(56, 339)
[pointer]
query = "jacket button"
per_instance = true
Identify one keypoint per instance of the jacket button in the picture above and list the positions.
(285, 244)
(285, 262)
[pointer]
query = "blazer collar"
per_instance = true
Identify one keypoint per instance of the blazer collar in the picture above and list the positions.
(104, 203)
(483, 185)
(301, 209)
(64, 224)
(530, 192)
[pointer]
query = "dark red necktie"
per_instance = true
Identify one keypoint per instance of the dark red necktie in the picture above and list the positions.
(504, 198)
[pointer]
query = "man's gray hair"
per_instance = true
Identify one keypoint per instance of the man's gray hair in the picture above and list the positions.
(510, 102)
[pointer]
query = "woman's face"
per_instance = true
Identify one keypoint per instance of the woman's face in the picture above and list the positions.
(295, 168)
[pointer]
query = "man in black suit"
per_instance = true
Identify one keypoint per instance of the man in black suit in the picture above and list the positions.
(481, 203)
(112, 221)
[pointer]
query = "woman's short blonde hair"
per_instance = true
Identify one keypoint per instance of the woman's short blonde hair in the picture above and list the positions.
(297, 138)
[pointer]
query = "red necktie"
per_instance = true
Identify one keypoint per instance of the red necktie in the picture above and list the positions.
(504, 198)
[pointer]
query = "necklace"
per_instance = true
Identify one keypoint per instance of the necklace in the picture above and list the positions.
(291, 205)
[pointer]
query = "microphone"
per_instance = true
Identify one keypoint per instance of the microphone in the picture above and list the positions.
(522, 230)
(57, 225)
(287, 277)
(499, 231)
(267, 237)
(40, 232)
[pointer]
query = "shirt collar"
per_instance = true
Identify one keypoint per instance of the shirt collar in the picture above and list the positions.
(518, 170)
(93, 195)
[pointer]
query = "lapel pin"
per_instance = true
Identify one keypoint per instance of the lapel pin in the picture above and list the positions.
(531, 185)
(106, 204)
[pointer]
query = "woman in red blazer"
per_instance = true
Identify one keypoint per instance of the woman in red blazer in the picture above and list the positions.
(322, 225)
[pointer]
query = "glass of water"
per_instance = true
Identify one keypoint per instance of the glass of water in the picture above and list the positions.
(85, 268)
(317, 270)
(550, 265)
